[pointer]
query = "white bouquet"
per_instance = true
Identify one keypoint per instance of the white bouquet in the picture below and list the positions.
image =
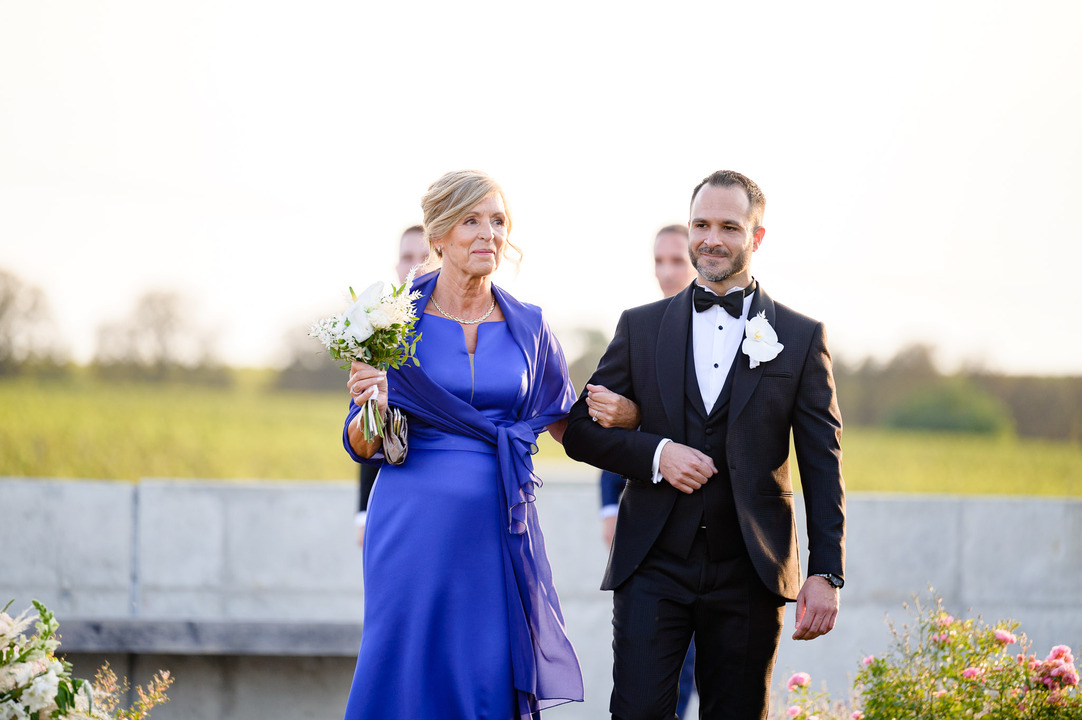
(377, 328)
(34, 683)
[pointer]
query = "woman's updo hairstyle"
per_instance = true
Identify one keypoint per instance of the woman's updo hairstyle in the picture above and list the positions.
(449, 199)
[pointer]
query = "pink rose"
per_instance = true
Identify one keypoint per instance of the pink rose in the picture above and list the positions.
(939, 693)
(794, 711)
(945, 620)
(798, 680)
(857, 715)
(1059, 651)
(971, 672)
(1005, 636)
(868, 660)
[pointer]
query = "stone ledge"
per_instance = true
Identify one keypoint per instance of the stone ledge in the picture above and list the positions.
(210, 637)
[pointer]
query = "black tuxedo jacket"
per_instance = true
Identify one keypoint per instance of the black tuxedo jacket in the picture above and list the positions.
(795, 392)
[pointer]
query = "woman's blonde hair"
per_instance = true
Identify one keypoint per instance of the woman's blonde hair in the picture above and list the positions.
(450, 199)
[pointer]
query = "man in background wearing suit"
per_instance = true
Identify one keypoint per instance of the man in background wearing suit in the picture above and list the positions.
(673, 270)
(705, 540)
(412, 251)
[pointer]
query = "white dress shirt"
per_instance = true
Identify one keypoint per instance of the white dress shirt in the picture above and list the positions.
(715, 340)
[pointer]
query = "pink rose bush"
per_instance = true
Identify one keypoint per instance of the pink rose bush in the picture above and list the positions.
(941, 666)
(808, 705)
(799, 680)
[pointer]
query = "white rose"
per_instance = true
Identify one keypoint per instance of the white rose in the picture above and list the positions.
(379, 318)
(360, 329)
(760, 341)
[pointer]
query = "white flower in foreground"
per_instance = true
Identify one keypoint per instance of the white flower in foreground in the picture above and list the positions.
(371, 296)
(760, 341)
(17, 675)
(379, 318)
(11, 710)
(42, 692)
(360, 329)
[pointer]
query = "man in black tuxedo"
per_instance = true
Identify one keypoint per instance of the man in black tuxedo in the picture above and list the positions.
(705, 540)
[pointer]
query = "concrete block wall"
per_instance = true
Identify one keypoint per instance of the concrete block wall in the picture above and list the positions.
(271, 551)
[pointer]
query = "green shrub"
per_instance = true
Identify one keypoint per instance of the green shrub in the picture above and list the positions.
(955, 406)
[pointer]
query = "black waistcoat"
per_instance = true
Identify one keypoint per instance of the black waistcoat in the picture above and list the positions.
(711, 506)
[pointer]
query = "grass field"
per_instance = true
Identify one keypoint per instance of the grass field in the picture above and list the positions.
(88, 429)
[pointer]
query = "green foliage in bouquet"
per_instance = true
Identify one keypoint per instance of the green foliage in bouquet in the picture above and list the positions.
(377, 328)
(35, 684)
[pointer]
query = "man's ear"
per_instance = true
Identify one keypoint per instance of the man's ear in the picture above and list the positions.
(757, 237)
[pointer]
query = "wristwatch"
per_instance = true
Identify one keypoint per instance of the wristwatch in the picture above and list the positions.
(835, 581)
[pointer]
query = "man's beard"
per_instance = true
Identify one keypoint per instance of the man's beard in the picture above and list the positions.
(738, 263)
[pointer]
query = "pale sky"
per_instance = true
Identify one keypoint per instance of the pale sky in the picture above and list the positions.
(920, 160)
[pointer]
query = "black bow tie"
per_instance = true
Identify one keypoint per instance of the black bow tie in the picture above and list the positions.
(733, 303)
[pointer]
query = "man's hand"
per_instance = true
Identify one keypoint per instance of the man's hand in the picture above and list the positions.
(610, 409)
(816, 609)
(685, 468)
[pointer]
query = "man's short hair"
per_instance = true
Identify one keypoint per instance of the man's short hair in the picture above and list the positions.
(412, 229)
(681, 229)
(731, 178)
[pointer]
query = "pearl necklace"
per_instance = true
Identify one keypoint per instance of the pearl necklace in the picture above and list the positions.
(457, 319)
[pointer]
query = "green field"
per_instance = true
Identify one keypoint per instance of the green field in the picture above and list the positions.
(88, 429)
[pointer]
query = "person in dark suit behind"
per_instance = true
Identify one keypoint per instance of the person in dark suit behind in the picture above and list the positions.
(705, 540)
(673, 270)
(412, 251)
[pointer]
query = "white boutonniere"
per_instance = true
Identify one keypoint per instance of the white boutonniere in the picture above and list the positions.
(760, 341)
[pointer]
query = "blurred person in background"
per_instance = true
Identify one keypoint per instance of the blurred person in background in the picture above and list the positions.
(412, 252)
(674, 272)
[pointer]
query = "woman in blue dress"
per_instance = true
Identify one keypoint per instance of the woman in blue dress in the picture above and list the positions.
(461, 617)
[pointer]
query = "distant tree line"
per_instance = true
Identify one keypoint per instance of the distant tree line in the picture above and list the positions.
(908, 391)
(157, 343)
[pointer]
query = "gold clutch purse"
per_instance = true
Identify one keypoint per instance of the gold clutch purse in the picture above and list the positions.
(395, 441)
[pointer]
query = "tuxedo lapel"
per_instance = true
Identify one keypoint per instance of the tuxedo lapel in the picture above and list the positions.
(672, 343)
(745, 379)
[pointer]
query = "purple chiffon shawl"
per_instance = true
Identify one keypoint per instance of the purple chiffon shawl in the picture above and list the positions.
(545, 666)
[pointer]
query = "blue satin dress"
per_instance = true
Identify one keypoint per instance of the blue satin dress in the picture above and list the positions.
(436, 642)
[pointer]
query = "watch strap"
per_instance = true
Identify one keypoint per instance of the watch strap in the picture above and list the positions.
(835, 581)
